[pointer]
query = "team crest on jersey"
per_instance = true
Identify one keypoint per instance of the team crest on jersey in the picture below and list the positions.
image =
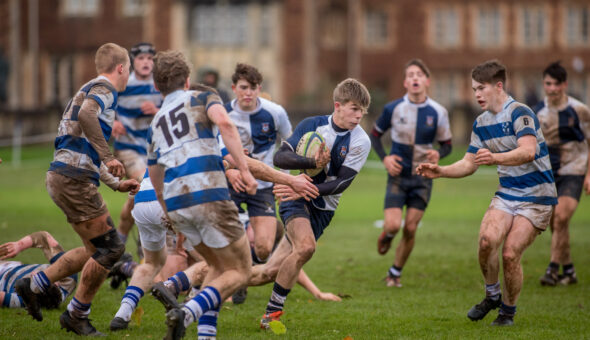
(265, 127)
(343, 151)
(429, 120)
(506, 128)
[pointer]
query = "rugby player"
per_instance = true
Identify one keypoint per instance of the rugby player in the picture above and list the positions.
(416, 122)
(507, 134)
(565, 122)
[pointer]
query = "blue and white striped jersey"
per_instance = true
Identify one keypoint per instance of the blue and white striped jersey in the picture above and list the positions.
(414, 127)
(566, 130)
(529, 182)
(146, 191)
(182, 139)
(348, 148)
(261, 130)
(129, 114)
(74, 155)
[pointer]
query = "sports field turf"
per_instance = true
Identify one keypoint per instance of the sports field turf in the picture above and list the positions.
(441, 280)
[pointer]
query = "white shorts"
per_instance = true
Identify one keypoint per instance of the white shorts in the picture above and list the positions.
(538, 214)
(133, 162)
(152, 232)
(216, 224)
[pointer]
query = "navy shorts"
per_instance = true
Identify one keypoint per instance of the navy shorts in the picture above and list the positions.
(570, 185)
(260, 204)
(413, 192)
(319, 219)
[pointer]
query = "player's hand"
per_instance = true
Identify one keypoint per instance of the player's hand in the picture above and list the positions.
(116, 168)
(587, 184)
(235, 180)
(9, 250)
(484, 157)
(129, 185)
(302, 184)
(432, 156)
(322, 157)
(118, 129)
(429, 170)
(166, 222)
(148, 108)
(249, 181)
(285, 193)
(393, 164)
(328, 297)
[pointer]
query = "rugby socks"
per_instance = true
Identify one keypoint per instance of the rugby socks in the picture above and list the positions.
(395, 271)
(129, 302)
(277, 299)
(78, 309)
(568, 269)
(507, 310)
(207, 328)
(179, 282)
(493, 291)
(553, 268)
(40, 283)
(128, 268)
(207, 299)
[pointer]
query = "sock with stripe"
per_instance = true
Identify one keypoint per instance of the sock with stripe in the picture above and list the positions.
(78, 309)
(129, 302)
(207, 299)
(493, 291)
(507, 310)
(395, 271)
(552, 268)
(277, 299)
(179, 282)
(40, 283)
(208, 324)
(568, 269)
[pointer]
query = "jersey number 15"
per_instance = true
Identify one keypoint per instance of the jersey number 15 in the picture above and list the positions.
(179, 123)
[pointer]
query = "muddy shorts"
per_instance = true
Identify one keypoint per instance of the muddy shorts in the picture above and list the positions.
(569, 185)
(413, 192)
(80, 201)
(538, 214)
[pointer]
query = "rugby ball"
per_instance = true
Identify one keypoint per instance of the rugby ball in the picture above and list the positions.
(308, 146)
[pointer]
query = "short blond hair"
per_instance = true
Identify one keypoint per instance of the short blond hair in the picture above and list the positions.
(108, 56)
(170, 71)
(352, 90)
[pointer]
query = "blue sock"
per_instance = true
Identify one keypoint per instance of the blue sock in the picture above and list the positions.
(207, 299)
(277, 299)
(180, 282)
(507, 310)
(78, 309)
(493, 291)
(40, 283)
(208, 323)
(129, 302)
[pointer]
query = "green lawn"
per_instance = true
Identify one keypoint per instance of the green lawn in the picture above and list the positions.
(441, 280)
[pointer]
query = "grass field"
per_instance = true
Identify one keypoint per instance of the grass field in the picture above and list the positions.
(441, 280)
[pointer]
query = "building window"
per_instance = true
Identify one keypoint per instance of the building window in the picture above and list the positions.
(446, 89)
(577, 21)
(376, 28)
(266, 26)
(444, 29)
(489, 27)
(533, 27)
(134, 8)
(80, 8)
(333, 29)
(225, 25)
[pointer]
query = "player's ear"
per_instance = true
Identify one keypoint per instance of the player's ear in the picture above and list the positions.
(337, 105)
(187, 83)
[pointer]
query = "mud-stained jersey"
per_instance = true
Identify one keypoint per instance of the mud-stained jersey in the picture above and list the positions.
(261, 130)
(129, 113)
(566, 130)
(182, 139)
(529, 182)
(414, 127)
(349, 148)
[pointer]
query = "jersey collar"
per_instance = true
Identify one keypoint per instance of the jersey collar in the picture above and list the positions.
(417, 105)
(236, 107)
(172, 96)
(339, 131)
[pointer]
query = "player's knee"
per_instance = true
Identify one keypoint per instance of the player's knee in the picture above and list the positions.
(510, 256)
(305, 251)
(262, 251)
(392, 226)
(560, 221)
(485, 243)
(109, 248)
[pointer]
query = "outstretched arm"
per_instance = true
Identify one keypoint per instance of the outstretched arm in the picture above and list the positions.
(524, 153)
(40, 239)
(306, 283)
(461, 168)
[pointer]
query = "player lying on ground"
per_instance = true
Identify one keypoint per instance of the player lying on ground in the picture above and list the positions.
(11, 271)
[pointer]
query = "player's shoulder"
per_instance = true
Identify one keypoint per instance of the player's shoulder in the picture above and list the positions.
(539, 106)
(359, 137)
(393, 104)
(518, 109)
(271, 106)
(441, 110)
(313, 122)
(577, 105)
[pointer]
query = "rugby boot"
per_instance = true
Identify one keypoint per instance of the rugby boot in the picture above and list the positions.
(118, 324)
(175, 323)
(31, 300)
(117, 274)
(503, 320)
(79, 326)
(568, 279)
(165, 295)
(393, 281)
(480, 310)
(268, 318)
(384, 243)
(549, 279)
(50, 299)
(240, 295)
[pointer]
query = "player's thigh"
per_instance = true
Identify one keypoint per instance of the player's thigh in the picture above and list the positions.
(236, 255)
(395, 193)
(413, 217)
(278, 255)
(156, 258)
(565, 208)
(148, 217)
(264, 227)
(521, 235)
(392, 218)
(418, 190)
(300, 233)
(495, 225)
